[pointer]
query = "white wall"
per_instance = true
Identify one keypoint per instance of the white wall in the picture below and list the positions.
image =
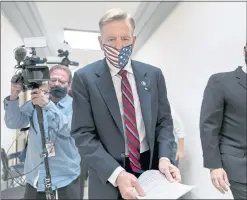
(195, 41)
(10, 39)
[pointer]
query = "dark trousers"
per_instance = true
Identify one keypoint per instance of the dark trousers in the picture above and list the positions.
(71, 191)
(239, 190)
(144, 160)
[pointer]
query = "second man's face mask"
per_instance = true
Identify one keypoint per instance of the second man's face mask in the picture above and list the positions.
(118, 58)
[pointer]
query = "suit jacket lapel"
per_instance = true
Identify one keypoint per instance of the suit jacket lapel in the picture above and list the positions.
(142, 85)
(241, 77)
(107, 91)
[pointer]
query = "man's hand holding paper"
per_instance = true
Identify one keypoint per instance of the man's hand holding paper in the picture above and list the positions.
(129, 186)
(156, 186)
(171, 172)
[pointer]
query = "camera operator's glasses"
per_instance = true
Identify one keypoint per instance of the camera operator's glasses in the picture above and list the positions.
(54, 80)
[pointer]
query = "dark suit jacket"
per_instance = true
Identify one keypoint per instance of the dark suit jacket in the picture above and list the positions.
(97, 126)
(223, 124)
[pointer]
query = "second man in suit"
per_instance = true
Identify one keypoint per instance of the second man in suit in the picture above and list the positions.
(122, 121)
(223, 130)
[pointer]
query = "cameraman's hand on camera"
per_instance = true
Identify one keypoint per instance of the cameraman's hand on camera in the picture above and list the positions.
(16, 89)
(38, 98)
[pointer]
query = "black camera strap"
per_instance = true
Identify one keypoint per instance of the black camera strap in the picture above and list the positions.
(48, 189)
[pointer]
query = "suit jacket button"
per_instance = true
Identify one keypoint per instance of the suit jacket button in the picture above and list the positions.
(122, 155)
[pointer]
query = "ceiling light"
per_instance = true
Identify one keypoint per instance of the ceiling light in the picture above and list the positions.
(82, 39)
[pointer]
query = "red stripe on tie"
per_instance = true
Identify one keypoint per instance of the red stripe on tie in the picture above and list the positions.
(126, 111)
(134, 161)
(132, 138)
(134, 168)
(133, 129)
(134, 150)
(129, 95)
(127, 102)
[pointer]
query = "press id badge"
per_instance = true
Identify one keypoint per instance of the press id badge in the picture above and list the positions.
(50, 146)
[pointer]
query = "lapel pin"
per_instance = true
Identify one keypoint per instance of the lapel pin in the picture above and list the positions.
(143, 83)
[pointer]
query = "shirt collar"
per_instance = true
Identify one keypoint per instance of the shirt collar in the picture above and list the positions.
(244, 68)
(114, 70)
(63, 101)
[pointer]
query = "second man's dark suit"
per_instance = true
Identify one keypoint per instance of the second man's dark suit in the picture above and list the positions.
(223, 124)
(97, 126)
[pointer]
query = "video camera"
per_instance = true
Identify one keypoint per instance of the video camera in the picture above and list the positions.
(32, 71)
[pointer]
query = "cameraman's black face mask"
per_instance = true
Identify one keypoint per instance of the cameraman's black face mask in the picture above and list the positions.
(58, 91)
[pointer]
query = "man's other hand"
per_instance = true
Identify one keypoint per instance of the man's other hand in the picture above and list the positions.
(219, 179)
(171, 172)
(16, 89)
(127, 184)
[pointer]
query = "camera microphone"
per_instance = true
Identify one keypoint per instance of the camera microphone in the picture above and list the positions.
(20, 54)
(74, 63)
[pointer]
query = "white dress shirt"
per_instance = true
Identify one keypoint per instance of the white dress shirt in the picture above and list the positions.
(244, 68)
(116, 78)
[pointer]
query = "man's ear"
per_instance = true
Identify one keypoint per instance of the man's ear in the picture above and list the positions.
(69, 86)
(100, 42)
(134, 40)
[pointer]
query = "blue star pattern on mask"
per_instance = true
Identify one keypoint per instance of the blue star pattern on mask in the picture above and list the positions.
(124, 56)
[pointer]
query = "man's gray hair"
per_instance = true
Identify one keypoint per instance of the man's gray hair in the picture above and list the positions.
(65, 68)
(114, 15)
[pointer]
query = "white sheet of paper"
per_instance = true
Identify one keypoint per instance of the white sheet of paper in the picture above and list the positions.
(156, 186)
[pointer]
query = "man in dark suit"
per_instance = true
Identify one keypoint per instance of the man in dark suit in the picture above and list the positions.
(122, 123)
(223, 131)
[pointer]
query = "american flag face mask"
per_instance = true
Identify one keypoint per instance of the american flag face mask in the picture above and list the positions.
(118, 58)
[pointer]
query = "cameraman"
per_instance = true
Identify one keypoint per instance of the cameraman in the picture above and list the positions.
(64, 159)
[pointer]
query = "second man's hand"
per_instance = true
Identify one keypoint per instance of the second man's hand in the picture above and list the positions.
(220, 180)
(127, 184)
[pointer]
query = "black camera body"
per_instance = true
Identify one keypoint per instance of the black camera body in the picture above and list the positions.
(32, 71)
